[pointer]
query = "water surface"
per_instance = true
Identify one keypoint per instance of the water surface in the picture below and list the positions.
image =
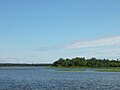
(44, 78)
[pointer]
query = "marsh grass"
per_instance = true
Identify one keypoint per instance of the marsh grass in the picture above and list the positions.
(70, 70)
(115, 69)
(83, 69)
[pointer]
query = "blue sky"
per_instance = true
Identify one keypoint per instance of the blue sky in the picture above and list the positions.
(41, 31)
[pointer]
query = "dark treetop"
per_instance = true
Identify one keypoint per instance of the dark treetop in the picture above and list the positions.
(82, 62)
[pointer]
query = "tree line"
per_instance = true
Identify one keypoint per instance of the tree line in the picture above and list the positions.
(22, 65)
(83, 62)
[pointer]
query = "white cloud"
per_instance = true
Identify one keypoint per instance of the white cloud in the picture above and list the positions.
(4, 59)
(94, 43)
(102, 42)
(108, 47)
(102, 48)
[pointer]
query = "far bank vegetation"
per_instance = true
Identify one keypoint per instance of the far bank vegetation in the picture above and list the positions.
(83, 62)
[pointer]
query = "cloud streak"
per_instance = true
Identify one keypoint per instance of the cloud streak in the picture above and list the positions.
(5, 59)
(102, 42)
(108, 47)
(111, 41)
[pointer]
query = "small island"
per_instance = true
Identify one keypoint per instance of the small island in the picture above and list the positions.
(104, 65)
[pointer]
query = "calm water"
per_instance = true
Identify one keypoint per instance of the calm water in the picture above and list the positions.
(43, 78)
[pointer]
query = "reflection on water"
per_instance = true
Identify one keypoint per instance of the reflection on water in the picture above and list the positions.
(44, 78)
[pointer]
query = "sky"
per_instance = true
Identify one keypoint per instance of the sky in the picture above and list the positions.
(42, 31)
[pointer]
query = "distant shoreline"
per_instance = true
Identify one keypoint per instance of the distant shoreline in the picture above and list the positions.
(22, 65)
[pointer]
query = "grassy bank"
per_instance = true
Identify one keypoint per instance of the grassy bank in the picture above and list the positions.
(111, 69)
(69, 67)
(97, 69)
